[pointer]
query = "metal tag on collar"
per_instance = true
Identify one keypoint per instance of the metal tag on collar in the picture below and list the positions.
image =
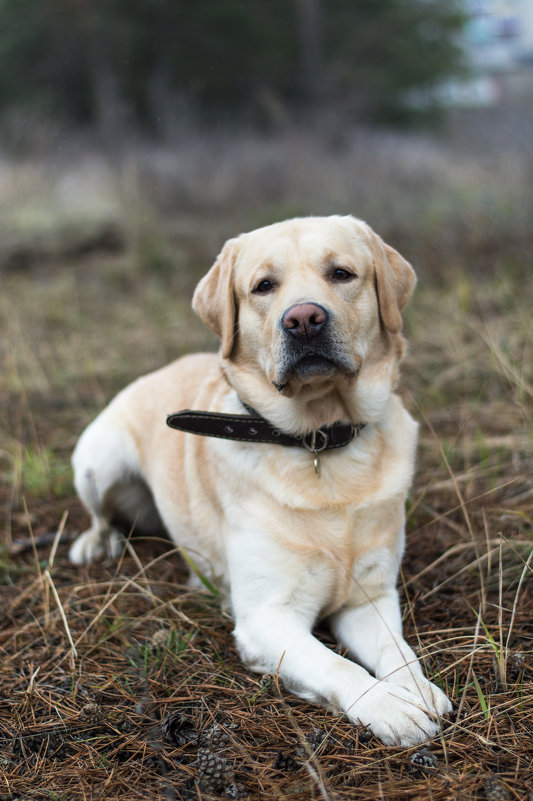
(315, 442)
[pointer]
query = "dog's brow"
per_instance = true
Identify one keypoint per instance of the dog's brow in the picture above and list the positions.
(339, 258)
(264, 268)
(330, 256)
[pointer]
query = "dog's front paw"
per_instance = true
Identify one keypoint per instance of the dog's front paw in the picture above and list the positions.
(428, 695)
(94, 544)
(436, 701)
(395, 715)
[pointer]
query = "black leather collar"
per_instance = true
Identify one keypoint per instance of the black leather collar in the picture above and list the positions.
(254, 428)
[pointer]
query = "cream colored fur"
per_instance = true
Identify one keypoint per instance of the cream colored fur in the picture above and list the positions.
(285, 546)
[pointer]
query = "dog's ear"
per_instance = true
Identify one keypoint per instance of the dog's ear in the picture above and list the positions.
(395, 281)
(214, 299)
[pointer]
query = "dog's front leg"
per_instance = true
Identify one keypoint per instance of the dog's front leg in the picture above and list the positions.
(274, 616)
(372, 632)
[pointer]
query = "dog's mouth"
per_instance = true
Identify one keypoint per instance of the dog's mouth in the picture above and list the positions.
(313, 366)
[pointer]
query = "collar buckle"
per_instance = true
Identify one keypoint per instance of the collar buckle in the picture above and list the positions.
(316, 441)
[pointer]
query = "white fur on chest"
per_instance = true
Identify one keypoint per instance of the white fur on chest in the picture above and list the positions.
(377, 465)
(333, 537)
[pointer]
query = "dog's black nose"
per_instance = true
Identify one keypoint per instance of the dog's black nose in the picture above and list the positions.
(304, 320)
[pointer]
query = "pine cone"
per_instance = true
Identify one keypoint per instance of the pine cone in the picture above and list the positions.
(214, 772)
(424, 759)
(216, 736)
(285, 760)
(494, 791)
(126, 726)
(91, 713)
(160, 639)
(315, 738)
(234, 791)
(177, 729)
(364, 734)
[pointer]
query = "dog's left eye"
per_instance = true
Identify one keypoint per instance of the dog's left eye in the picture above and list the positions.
(340, 274)
(263, 287)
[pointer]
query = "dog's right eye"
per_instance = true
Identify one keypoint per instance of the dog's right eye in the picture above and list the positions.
(263, 287)
(340, 275)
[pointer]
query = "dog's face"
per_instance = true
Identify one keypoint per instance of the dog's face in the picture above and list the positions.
(306, 302)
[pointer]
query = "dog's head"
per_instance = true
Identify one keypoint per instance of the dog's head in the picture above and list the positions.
(306, 304)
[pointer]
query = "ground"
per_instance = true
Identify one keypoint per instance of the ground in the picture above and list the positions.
(117, 681)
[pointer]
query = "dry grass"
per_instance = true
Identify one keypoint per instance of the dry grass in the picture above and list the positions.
(93, 660)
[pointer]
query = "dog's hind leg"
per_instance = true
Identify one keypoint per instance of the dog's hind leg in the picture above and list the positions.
(106, 478)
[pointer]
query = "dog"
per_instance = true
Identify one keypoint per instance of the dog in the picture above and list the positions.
(287, 477)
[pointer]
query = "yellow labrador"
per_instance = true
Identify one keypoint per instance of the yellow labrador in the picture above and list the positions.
(290, 495)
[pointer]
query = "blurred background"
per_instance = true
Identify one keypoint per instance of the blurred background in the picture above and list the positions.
(151, 123)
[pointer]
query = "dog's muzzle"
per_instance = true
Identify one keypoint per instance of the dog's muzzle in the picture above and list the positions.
(308, 349)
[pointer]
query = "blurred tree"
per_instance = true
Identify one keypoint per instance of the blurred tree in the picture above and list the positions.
(160, 87)
(102, 73)
(382, 53)
(40, 63)
(309, 24)
(106, 61)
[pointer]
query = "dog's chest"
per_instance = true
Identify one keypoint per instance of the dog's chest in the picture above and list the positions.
(350, 556)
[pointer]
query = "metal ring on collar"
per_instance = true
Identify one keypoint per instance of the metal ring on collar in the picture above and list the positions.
(312, 444)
